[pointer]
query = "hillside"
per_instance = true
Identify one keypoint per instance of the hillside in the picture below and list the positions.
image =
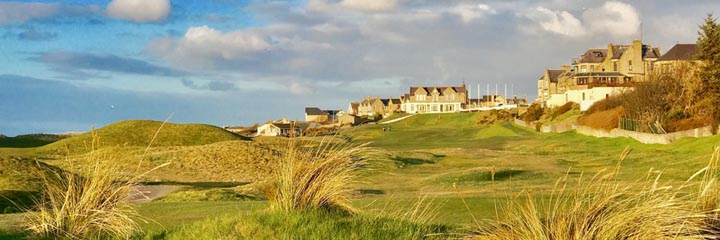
(138, 133)
(29, 140)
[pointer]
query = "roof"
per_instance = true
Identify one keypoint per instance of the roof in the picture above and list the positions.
(385, 101)
(457, 89)
(618, 50)
(680, 52)
(554, 74)
(651, 52)
(332, 112)
(595, 55)
(298, 125)
(314, 111)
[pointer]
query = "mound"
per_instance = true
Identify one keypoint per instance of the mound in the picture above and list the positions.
(17, 174)
(29, 140)
(139, 133)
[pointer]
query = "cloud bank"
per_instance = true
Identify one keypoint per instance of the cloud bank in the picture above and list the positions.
(139, 10)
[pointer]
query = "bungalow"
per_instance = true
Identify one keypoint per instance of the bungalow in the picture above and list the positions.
(313, 114)
(287, 129)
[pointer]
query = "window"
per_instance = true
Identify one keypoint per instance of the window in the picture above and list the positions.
(592, 68)
(420, 97)
(615, 67)
(583, 68)
(603, 69)
(435, 98)
(629, 65)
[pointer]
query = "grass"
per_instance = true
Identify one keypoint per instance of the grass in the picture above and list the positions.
(423, 155)
(29, 140)
(393, 117)
(302, 225)
(315, 177)
(138, 133)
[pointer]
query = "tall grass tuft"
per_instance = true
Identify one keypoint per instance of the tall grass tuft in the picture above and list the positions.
(313, 175)
(92, 203)
(708, 198)
(601, 208)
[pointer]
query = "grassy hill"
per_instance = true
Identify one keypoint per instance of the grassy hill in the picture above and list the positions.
(139, 133)
(29, 140)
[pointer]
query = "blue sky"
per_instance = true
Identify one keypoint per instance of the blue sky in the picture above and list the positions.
(70, 65)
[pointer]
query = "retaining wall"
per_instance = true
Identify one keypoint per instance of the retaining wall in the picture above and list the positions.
(647, 138)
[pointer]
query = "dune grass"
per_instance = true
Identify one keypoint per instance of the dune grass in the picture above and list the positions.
(311, 176)
(605, 208)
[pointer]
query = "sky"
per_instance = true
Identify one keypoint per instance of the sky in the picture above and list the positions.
(68, 66)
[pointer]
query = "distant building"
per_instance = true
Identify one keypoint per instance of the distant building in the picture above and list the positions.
(677, 54)
(434, 99)
(314, 114)
(284, 129)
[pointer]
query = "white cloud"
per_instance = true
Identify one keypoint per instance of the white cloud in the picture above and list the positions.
(470, 12)
(370, 5)
(139, 10)
(559, 22)
(18, 12)
(614, 18)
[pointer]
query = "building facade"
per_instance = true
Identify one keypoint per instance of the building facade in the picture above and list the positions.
(434, 99)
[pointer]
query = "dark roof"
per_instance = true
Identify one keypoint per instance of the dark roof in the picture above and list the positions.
(354, 104)
(554, 74)
(595, 55)
(314, 111)
(385, 101)
(651, 52)
(299, 125)
(429, 90)
(618, 50)
(680, 52)
(332, 112)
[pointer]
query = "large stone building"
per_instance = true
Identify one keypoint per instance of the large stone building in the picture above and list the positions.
(598, 74)
(434, 99)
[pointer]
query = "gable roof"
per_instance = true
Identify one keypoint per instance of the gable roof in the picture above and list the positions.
(680, 52)
(651, 52)
(428, 90)
(554, 74)
(618, 50)
(594, 55)
(314, 111)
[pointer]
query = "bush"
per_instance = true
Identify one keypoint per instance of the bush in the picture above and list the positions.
(604, 208)
(605, 104)
(606, 119)
(311, 177)
(683, 124)
(533, 113)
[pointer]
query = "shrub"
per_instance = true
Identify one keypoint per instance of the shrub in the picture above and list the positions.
(605, 104)
(607, 119)
(315, 177)
(683, 124)
(533, 113)
(94, 203)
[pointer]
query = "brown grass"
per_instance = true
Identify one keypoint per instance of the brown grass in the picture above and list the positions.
(607, 119)
(604, 208)
(86, 201)
(313, 175)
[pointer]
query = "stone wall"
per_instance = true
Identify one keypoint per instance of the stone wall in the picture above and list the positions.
(647, 138)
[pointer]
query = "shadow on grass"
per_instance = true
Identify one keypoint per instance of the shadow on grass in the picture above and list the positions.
(12, 235)
(199, 184)
(15, 201)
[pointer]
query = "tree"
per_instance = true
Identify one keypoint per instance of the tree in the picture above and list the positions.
(709, 54)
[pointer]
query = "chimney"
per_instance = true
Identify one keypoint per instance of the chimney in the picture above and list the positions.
(565, 67)
(637, 44)
(610, 50)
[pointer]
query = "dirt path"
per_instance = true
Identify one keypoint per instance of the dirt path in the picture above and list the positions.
(398, 119)
(152, 192)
